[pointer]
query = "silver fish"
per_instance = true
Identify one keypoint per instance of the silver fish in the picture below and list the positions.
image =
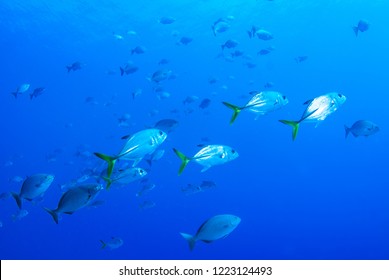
(318, 109)
(215, 228)
(75, 199)
(33, 187)
(142, 143)
(362, 128)
(21, 89)
(208, 156)
(113, 243)
(261, 103)
(126, 176)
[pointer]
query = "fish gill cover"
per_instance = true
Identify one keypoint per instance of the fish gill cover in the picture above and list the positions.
(86, 77)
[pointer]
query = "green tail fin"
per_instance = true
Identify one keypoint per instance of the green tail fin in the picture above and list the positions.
(110, 160)
(109, 182)
(53, 214)
(184, 160)
(191, 240)
(236, 111)
(295, 125)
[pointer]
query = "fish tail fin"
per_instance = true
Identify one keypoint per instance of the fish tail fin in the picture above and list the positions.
(103, 244)
(15, 94)
(109, 182)
(110, 160)
(295, 125)
(347, 130)
(17, 199)
(69, 68)
(53, 214)
(31, 96)
(191, 240)
(185, 160)
(355, 28)
(223, 46)
(149, 161)
(236, 111)
(121, 71)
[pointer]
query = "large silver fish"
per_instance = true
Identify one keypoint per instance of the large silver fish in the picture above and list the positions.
(208, 156)
(362, 128)
(318, 110)
(33, 187)
(75, 199)
(215, 228)
(142, 143)
(260, 104)
(126, 176)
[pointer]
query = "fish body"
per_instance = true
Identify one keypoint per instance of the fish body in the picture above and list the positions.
(113, 243)
(166, 125)
(38, 91)
(166, 20)
(220, 26)
(74, 66)
(217, 227)
(362, 26)
(75, 199)
(138, 50)
(161, 75)
(185, 40)
(129, 68)
(230, 44)
(260, 104)
(33, 187)
(318, 109)
(362, 128)
(208, 156)
(21, 89)
(142, 143)
(205, 103)
(126, 176)
(301, 58)
(264, 34)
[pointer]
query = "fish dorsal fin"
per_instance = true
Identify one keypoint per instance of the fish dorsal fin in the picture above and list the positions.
(307, 102)
(136, 161)
(125, 136)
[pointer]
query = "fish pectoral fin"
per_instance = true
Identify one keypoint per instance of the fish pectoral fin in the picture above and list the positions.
(69, 213)
(207, 241)
(136, 161)
(307, 102)
(205, 168)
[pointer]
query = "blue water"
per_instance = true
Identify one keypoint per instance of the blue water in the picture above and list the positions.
(319, 197)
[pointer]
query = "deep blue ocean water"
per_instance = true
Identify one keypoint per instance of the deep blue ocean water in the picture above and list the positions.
(319, 197)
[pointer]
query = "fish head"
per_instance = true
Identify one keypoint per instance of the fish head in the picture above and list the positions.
(140, 172)
(234, 220)
(49, 179)
(339, 98)
(160, 136)
(230, 153)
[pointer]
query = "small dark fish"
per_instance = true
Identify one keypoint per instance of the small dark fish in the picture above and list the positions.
(230, 44)
(163, 61)
(166, 125)
(252, 31)
(264, 35)
(207, 185)
(237, 53)
(302, 58)
(161, 75)
(21, 89)
(74, 66)
(190, 99)
(38, 91)
(268, 85)
(212, 80)
(138, 50)
(250, 65)
(205, 103)
(265, 51)
(129, 68)
(362, 26)
(185, 41)
(362, 128)
(166, 20)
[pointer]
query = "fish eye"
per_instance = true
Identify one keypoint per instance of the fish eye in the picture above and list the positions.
(284, 97)
(340, 95)
(233, 151)
(160, 132)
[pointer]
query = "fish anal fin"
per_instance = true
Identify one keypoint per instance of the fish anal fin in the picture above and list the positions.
(205, 168)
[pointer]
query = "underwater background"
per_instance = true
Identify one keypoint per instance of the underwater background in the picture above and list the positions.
(319, 197)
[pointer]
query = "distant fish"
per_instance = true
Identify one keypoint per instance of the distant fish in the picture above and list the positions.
(147, 204)
(117, 36)
(185, 40)
(21, 89)
(237, 53)
(229, 44)
(264, 34)
(301, 58)
(260, 104)
(136, 93)
(145, 189)
(140, 144)
(113, 243)
(138, 50)
(74, 66)
(163, 61)
(163, 95)
(318, 109)
(208, 156)
(166, 125)
(215, 228)
(166, 20)
(75, 199)
(157, 155)
(161, 75)
(252, 31)
(265, 51)
(190, 99)
(362, 26)
(5, 195)
(220, 26)
(362, 128)
(129, 68)
(205, 103)
(38, 91)
(33, 187)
